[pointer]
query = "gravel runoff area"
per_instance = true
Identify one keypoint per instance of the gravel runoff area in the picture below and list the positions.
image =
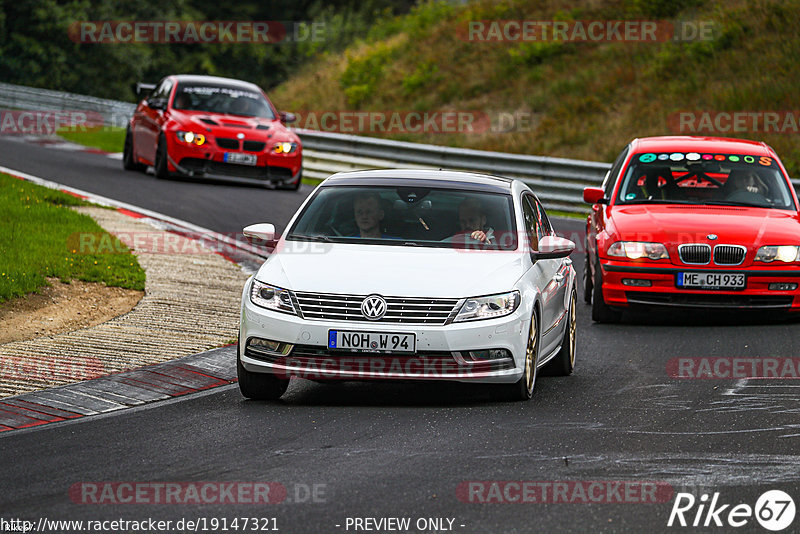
(191, 304)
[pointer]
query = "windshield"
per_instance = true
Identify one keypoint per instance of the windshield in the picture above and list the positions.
(408, 216)
(730, 179)
(221, 99)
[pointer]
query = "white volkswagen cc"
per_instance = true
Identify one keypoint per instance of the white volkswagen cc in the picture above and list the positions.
(410, 275)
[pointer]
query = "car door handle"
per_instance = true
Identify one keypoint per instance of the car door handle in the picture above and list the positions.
(568, 262)
(559, 277)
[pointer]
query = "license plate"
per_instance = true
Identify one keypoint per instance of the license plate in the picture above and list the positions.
(383, 342)
(690, 280)
(241, 158)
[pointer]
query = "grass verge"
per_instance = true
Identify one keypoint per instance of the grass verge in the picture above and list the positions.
(107, 138)
(38, 228)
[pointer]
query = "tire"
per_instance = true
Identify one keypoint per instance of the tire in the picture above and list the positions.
(564, 362)
(260, 386)
(587, 279)
(161, 168)
(128, 161)
(601, 312)
(523, 388)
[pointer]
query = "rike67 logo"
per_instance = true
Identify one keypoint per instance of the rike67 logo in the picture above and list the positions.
(774, 510)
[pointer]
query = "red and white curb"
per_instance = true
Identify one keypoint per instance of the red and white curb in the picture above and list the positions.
(152, 383)
(162, 381)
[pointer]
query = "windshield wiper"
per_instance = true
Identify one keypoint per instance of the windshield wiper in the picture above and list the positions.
(322, 238)
(735, 203)
(656, 201)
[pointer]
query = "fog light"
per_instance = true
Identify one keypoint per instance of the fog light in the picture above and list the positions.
(782, 286)
(487, 355)
(268, 345)
(635, 282)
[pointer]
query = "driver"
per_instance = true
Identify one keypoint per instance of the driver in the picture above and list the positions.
(747, 180)
(472, 220)
(241, 106)
(368, 215)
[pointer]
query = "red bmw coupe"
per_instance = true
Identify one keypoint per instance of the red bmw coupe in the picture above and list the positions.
(693, 222)
(210, 127)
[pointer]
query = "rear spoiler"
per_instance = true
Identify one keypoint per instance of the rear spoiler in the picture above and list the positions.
(143, 89)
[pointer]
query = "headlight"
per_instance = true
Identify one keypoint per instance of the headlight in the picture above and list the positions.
(191, 138)
(635, 250)
(489, 307)
(284, 148)
(271, 297)
(784, 253)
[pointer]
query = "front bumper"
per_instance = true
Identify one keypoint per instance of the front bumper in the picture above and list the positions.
(442, 351)
(207, 161)
(664, 291)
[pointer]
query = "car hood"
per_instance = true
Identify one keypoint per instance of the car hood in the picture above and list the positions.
(677, 224)
(390, 270)
(224, 125)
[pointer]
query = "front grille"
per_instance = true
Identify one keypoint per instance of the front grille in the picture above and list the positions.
(406, 310)
(695, 254)
(432, 364)
(729, 254)
(199, 167)
(708, 300)
(254, 146)
(229, 144)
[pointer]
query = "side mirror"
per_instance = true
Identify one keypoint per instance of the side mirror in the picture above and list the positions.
(286, 117)
(143, 89)
(264, 232)
(594, 195)
(552, 246)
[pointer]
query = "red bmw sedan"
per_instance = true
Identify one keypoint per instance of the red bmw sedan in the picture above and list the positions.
(694, 222)
(214, 128)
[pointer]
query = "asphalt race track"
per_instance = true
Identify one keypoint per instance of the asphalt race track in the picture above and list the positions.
(380, 450)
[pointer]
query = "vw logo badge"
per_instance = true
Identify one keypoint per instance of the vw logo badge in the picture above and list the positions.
(240, 136)
(373, 307)
(712, 237)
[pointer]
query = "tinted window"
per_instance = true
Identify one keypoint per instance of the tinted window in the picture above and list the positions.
(532, 231)
(611, 178)
(222, 99)
(412, 216)
(732, 179)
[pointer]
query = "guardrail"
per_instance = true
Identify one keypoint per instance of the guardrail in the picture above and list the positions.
(114, 112)
(558, 182)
